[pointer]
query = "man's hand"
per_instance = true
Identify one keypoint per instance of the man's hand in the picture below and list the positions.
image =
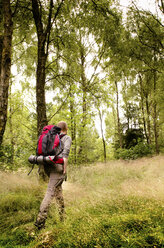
(65, 176)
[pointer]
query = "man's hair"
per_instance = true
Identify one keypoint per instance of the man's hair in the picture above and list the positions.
(62, 125)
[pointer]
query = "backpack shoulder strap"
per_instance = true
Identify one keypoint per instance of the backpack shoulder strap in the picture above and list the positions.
(62, 135)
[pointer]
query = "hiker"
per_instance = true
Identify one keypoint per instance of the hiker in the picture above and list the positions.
(57, 174)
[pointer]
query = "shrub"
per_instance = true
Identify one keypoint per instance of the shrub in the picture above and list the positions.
(138, 151)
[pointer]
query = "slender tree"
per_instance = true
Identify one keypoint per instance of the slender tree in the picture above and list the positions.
(73, 127)
(118, 116)
(102, 133)
(142, 107)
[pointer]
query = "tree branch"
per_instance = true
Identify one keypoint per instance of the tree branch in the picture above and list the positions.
(20, 41)
(61, 106)
(16, 7)
(49, 24)
(103, 50)
(48, 29)
(57, 11)
(147, 25)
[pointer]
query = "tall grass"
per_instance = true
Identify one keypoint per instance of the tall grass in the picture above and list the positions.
(118, 204)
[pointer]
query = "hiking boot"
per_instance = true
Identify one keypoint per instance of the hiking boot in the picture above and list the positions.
(62, 217)
(40, 224)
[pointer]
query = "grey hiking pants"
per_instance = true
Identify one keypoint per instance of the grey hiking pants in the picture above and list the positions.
(54, 189)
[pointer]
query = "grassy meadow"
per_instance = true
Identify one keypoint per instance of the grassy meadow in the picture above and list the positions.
(118, 204)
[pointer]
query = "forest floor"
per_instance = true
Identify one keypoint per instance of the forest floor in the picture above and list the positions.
(117, 204)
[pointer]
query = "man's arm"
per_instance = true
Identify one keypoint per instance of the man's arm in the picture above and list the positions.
(65, 165)
(66, 149)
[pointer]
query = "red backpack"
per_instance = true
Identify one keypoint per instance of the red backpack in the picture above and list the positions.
(49, 140)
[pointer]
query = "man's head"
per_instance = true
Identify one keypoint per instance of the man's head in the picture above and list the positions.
(63, 126)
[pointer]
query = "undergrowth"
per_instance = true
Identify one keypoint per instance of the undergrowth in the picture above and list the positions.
(120, 204)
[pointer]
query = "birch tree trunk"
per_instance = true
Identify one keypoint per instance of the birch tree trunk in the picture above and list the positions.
(11, 133)
(84, 104)
(73, 128)
(118, 117)
(155, 115)
(102, 135)
(148, 119)
(1, 31)
(5, 64)
(142, 107)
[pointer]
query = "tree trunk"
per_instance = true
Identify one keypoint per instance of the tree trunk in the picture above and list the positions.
(43, 35)
(73, 128)
(155, 115)
(5, 65)
(1, 32)
(83, 80)
(40, 86)
(148, 119)
(102, 135)
(84, 106)
(11, 131)
(142, 107)
(41, 64)
(118, 118)
(115, 122)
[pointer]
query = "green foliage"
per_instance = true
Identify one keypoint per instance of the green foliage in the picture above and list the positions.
(6, 153)
(20, 138)
(138, 151)
(19, 201)
(82, 67)
(116, 229)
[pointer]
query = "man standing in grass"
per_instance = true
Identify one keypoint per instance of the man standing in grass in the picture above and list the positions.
(57, 174)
